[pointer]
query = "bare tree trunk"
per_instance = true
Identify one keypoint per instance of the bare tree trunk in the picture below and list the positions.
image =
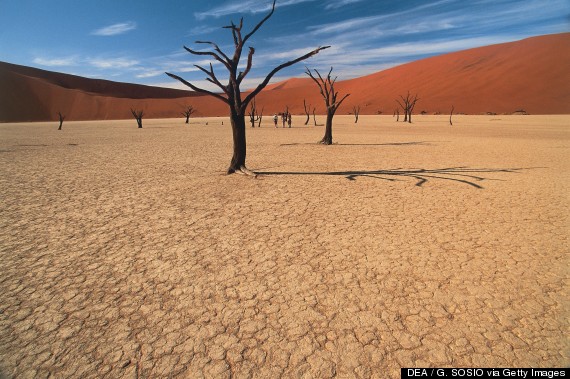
(451, 114)
(61, 118)
(356, 112)
(327, 138)
(237, 163)
(315, 118)
(306, 111)
(259, 117)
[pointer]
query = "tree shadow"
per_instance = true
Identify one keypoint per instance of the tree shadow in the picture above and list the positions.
(418, 143)
(464, 175)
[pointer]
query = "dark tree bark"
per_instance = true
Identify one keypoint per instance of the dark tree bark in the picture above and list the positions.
(408, 103)
(356, 113)
(231, 94)
(61, 118)
(307, 108)
(188, 111)
(315, 117)
(451, 114)
(253, 114)
(326, 87)
(138, 115)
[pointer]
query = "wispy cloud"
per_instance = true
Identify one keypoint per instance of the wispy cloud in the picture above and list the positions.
(340, 3)
(244, 6)
(106, 63)
(115, 29)
(56, 62)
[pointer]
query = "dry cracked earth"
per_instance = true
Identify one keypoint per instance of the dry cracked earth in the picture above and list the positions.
(127, 253)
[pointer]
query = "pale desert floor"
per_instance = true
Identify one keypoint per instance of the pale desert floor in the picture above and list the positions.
(128, 253)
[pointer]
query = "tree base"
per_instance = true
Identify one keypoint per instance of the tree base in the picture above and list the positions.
(242, 170)
(325, 142)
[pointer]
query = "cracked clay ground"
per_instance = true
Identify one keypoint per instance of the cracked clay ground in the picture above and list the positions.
(128, 253)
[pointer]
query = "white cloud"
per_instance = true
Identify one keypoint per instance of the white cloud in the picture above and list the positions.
(244, 6)
(55, 62)
(112, 62)
(115, 29)
(340, 3)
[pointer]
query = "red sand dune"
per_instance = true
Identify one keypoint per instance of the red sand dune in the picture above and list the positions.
(531, 74)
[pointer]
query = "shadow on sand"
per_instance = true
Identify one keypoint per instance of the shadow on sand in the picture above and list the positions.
(465, 175)
(419, 143)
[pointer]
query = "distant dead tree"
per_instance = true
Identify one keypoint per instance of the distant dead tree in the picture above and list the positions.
(355, 112)
(188, 111)
(138, 115)
(61, 118)
(307, 109)
(254, 115)
(231, 93)
(408, 103)
(315, 118)
(451, 114)
(326, 86)
(397, 114)
(285, 115)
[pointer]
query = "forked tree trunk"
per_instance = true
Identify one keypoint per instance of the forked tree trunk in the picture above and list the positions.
(237, 163)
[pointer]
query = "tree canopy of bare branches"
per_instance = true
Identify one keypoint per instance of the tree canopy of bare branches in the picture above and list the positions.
(254, 114)
(230, 92)
(408, 103)
(330, 96)
(188, 111)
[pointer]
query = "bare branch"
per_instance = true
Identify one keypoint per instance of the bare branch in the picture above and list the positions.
(210, 53)
(260, 23)
(212, 77)
(277, 69)
(198, 89)
(340, 102)
(242, 75)
(217, 48)
(319, 83)
(233, 27)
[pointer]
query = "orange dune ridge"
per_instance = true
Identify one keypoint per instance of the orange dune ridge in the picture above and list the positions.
(530, 75)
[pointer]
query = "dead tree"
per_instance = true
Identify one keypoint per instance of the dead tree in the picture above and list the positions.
(307, 108)
(451, 114)
(254, 115)
(188, 111)
(230, 93)
(315, 118)
(61, 118)
(326, 86)
(138, 115)
(285, 115)
(355, 112)
(408, 103)
(397, 115)
(259, 117)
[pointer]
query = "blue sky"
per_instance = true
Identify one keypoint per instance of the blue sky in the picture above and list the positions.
(136, 41)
